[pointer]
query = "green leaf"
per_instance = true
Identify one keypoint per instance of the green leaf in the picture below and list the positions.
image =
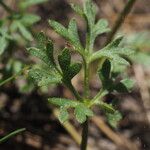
(101, 27)
(125, 85)
(90, 12)
(74, 69)
(64, 60)
(105, 71)
(49, 51)
(50, 74)
(23, 30)
(77, 9)
(69, 70)
(114, 118)
(27, 3)
(70, 34)
(40, 54)
(60, 29)
(62, 102)
(29, 19)
(44, 77)
(129, 83)
(82, 112)
(107, 107)
(14, 26)
(44, 50)
(41, 40)
(4, 33)
(113, 52)
(3, 44)
(115, 43)
(73, 34)
(63, 115)
(117, 69)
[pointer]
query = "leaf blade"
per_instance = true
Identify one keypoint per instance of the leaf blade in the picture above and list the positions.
(82, 112)
(43, 77)
(62, 102)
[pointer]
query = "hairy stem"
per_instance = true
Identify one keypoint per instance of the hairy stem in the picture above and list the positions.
(86, 79)
(120, 19)
(8, 9)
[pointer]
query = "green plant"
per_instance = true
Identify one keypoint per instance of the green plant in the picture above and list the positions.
(11, 134)
(16, 26)
(16, 32)
(53, 73)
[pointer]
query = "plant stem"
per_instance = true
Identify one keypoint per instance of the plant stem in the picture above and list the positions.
(84, 141)
(11, 135)
(8, 9)
(84, 135)
(73, 90)
(100, 94)
(14, 76)
(86, 79)
(98, 97)
(120, 19)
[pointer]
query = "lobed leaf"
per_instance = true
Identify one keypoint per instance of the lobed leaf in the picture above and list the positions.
(74, 69)
(70, 34)
(90, 12)
(114, 118)
(63, 115)
(113, 52)
(82, 112)
(101, 27)
(60, 29)
(44, 50)
(69, 70)
(73, 34)
(44, 77)
(64, 60)
(40, 54)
